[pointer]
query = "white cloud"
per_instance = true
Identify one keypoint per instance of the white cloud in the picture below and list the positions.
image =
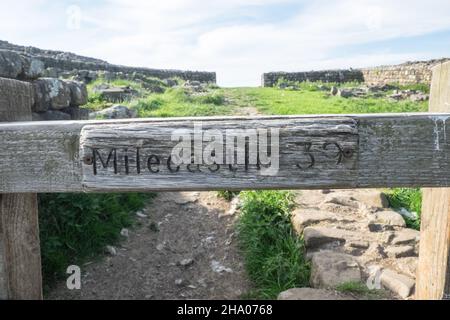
(228, 36)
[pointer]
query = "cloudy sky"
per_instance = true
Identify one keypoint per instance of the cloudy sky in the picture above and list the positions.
(238, 39)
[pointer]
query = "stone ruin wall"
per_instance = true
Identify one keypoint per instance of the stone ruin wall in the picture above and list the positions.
(406, 73)
(53, 99)
(48, 71)
(61, 64)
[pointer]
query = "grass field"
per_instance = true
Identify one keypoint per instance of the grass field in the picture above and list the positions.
(285, 102)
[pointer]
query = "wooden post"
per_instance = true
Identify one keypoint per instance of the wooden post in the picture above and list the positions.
(433, 272)
(20, 258)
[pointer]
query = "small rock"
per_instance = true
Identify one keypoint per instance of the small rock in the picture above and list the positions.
(217, 267)
(333, 91)
(311, 294)
(406, 236)
(179, 282)
(234, 205)
(400, 252)
(345, 93)
(359, 244)
(388, 217)
(408, 214)
(114, 112)
(419, 97)
(397, 283)
(330, 269)
(125, 233)
(186, 262)
(140, 214)
(160, 247)
(115, 94)
(111, 250)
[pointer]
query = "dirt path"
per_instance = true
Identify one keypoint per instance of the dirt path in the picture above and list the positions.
(185, 249)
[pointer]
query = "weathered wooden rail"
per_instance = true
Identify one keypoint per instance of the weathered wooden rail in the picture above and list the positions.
(316, 151)
(384, 150)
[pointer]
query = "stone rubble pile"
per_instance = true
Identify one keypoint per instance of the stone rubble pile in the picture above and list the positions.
(352, 236)
(379, 91)
(115, 94)
(114, 112)
(413, 95)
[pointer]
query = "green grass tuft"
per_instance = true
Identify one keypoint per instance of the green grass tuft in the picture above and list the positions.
(410, 199)
(273, 254)
(177, 102)
(360, 290)
(285, 102)
(77, 227)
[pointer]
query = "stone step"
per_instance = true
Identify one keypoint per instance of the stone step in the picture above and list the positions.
(317, 236)
(398, 283)
(330, 269)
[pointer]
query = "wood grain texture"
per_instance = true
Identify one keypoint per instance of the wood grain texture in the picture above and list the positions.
(433, 273)
(308, 157)
(20, 226)
(393, 150)
(20, 260)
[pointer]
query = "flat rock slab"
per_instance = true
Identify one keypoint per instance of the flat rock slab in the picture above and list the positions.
(330, 269)
(400, 252)
(398, 283)
(312, 294)
(358, 199)
(302, 218)
(317, 236)
(388, 217)
(406, 236)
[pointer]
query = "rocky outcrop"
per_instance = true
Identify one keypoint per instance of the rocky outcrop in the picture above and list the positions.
(351, 236)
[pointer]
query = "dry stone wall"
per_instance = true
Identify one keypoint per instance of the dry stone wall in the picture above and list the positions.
(403, 74)
(61, 64)
(53, 99)
(406, 73)
(270, 79)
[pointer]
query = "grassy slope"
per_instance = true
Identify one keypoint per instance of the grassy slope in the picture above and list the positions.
(285, 102)
(273, 254)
